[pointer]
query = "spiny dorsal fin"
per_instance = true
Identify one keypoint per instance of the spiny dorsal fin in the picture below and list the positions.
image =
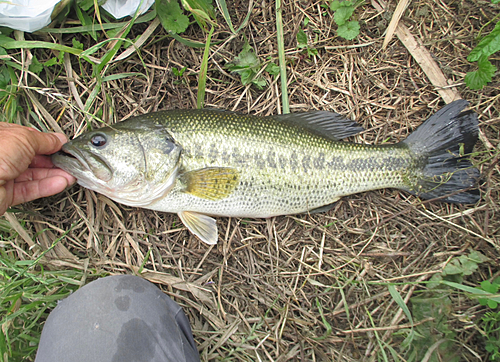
(201, 225)
(327, 124)
(211, 183)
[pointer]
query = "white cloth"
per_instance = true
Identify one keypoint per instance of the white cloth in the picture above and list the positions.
(26, 15)
(122, 8)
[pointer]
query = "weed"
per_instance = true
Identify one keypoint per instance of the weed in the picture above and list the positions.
(490, 327)
(178, 72)
(171, 16)
(487, 46)
(303, 43)
(27, 293)
(343, 10)
(248, 65)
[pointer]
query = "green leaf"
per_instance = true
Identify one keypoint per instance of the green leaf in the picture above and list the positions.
(77, 44)
(301, 39)
(273, 69)
(478, 257)
(260, 83)
(85, 5)
(311, 52)
(488, 45)
(479, 78)
(51, 62)
(86, 20)
(171, 16)
(335, 5)
(343, 14)
(4, 81)
(400, 302)
(178, 72)
(246, 76)
(202, 11)
(35, 66)
(349, 30)
(495, 1)
(468, 266)
(487, 286)
(246, 59)
(9, 43)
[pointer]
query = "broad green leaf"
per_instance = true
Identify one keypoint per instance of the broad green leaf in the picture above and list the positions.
(246, 76)
(51, 62)
(301, 39)
(349, 30)
(246, 59)
(171, 16)
(273, 69)
(77, 44)
(469, 266)
(487, 286)
(35, 66)
(478, 257)
(335, 5)
(488, 45)
(479, 78)
(343, 14)
(260, 83)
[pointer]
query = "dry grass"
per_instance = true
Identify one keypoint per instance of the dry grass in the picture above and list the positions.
(257, 295)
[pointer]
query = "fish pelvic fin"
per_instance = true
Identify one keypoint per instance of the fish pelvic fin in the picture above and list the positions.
(443, 143)
(211, 183)
(201, 225)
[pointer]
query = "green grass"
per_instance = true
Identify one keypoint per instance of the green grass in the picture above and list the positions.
(28, 292)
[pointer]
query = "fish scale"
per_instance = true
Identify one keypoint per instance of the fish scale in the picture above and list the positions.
(283, 168)
(203, 163)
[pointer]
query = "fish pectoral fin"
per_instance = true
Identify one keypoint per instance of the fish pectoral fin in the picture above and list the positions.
(201, 225)
(211, 183)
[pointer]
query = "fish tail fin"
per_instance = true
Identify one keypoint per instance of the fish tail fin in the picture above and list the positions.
(443, 143)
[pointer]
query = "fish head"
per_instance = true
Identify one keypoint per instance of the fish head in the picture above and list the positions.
(134, 162)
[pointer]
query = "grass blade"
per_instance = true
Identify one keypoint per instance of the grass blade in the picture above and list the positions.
(221, 4)
(9, 43)
(202, 79)
(281, 58)
(399, 301)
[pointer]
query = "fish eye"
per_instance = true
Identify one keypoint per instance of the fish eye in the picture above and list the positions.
(99, 140)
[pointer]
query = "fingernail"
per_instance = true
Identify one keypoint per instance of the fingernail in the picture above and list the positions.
(61, 137)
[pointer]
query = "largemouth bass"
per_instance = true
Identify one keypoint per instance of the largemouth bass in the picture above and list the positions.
(203, 163)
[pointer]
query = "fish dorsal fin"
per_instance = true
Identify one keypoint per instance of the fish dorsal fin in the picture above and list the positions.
(328, 124)
(201, 225)
(211, 183)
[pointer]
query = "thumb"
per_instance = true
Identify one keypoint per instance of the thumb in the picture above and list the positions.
(47, 143)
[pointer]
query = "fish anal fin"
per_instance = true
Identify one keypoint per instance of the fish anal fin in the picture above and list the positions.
(201, 225)
(324, 208)
(211, 183)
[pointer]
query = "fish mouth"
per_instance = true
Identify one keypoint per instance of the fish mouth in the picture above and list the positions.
(74, 161)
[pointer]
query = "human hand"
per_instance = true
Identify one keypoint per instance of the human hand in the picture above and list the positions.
(25, 173)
